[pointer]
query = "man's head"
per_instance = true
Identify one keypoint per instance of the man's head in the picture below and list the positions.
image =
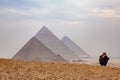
(104, 53)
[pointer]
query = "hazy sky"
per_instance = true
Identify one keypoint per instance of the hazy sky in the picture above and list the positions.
(93, 24)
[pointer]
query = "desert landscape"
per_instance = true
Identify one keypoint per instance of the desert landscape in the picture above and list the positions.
(30, 70)
(59, 40)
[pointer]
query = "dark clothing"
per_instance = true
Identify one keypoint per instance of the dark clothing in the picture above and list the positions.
(103, 60)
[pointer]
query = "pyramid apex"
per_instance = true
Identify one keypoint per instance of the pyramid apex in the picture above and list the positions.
(44, 30)
(44, 27)
(65, 37)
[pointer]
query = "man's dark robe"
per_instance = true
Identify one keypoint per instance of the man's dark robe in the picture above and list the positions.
(103, 60)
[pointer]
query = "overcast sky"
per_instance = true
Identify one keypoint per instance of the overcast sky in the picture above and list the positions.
(93, 24)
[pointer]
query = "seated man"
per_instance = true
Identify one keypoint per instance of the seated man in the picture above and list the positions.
(103, 60)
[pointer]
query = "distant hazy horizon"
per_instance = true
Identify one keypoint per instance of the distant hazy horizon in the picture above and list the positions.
(92, 24)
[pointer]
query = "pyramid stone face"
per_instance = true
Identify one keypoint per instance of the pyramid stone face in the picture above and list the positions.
(35, 50)
(78, 51)
(54, 44)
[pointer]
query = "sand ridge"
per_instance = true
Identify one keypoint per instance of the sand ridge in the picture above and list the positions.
(29, 70)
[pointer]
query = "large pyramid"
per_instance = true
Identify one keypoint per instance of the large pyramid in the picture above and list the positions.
(74, 47)
(55, 45)
(35, 50)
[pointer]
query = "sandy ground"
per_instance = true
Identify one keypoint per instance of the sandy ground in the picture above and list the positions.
(28, 70)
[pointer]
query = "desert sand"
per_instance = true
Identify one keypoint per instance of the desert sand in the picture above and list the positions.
(29, 70)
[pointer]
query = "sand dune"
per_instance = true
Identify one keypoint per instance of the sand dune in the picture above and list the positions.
(28, 70)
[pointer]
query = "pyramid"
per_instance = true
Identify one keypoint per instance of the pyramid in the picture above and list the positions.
(54, 44)
(74, 47)
(35, 50)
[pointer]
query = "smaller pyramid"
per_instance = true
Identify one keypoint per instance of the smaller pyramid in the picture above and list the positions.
(74, 47)
(35, 50)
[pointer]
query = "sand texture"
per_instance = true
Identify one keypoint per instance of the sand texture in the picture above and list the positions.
(29, 70)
